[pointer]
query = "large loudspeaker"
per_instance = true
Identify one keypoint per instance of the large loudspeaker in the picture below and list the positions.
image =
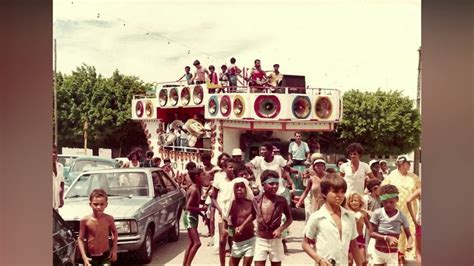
(225, 106)
(323, 107)
(174, 97)
(267, 106)
(149, 110)
(213, 106)
(301, 107)
(198, 94)
(238, 106)
(185, 96)
(139, 109)
(163, 97)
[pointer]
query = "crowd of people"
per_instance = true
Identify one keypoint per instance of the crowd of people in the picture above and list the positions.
(357, 213)
(231, 77)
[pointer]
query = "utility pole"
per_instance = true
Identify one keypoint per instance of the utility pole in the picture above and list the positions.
(417, 159)
(55, 105)
(86, 126)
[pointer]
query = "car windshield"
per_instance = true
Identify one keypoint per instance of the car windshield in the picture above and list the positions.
(85, 165)
(126, 184)
(65, 160)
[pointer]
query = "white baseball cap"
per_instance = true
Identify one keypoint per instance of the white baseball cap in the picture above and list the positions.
(236, 152)
(319, 161)
(373, 161)
(403, 158)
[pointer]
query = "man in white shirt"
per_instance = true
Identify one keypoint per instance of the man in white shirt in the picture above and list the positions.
(298, 151)
(332, 227)
(354, 172)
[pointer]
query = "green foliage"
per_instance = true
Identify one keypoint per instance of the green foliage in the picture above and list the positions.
(105, 103)
(383, 122)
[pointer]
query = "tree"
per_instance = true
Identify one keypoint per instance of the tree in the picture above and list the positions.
(105, 103)
(383, 122)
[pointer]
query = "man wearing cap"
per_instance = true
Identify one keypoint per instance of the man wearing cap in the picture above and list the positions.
(375, 167)
(298, 151)
(406, 183)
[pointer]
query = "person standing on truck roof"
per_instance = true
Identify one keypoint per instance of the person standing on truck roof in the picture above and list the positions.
(232, 72)
(275, 78)
(298, 151)
(187, 74)
(200, 73)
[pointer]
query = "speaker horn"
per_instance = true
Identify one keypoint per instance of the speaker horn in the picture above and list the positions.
(301, 107)
(323, 107)
(213, 105)
(198, 94)
(238, 106)
(163, 97)
(225, 106)
(139, 109)
(267, 106)
(185, 96)
(149, 109)
(174, 96)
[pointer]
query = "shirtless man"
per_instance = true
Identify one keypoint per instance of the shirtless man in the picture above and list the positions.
(200, 74)
(191, 214)
(96, 228)
(238, 221)
(210, 171)
(270, 208)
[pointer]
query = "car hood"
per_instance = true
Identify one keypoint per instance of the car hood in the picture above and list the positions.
(118, 207)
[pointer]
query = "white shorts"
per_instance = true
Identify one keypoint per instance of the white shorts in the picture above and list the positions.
(391, 259)
(244, 248)
(268, 247)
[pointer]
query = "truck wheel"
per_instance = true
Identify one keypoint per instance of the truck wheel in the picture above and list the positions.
(145, 253)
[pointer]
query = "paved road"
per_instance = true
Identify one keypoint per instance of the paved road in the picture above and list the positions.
(173, 253)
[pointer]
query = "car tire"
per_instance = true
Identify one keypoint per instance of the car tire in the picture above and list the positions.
(173, 232)
(145, 253)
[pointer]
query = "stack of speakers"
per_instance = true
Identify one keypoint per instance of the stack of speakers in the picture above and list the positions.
(188, 96)
(273, 107)
(143, 108)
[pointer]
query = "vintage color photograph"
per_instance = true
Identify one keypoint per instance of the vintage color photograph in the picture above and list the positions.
(237, 133)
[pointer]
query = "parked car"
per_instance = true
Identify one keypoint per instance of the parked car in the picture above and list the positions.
(64, 242)
(66, 159)
(145, 203)
(86, 163)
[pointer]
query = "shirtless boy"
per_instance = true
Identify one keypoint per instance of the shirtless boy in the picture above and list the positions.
(269, 208)
(96, 228)
(191, 214)
(238, 220)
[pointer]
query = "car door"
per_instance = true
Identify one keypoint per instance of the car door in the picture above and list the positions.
(159, 206)
(173, 198)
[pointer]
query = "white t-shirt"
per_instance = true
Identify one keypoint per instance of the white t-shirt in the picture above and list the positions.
(57, 179)
(276, 165)
(223, 185)
(355, 181)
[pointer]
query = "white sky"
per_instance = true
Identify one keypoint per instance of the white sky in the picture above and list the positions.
(353, 44)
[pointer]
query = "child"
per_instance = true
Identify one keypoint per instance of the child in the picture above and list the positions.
(191, 214)
(386, 227)
(188, 75)
(213, 80)
(239, 215)
(372, 202)
(332, 227)
(355, 203)
(417, 221)
(96, 228)
(221, 188)
(269, 209)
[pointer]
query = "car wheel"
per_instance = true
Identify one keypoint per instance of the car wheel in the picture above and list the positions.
(145, 253)
(173, 232)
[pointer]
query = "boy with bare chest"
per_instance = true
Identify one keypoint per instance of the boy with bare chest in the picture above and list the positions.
(239, 215)
(269, 208)
(96, 228)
